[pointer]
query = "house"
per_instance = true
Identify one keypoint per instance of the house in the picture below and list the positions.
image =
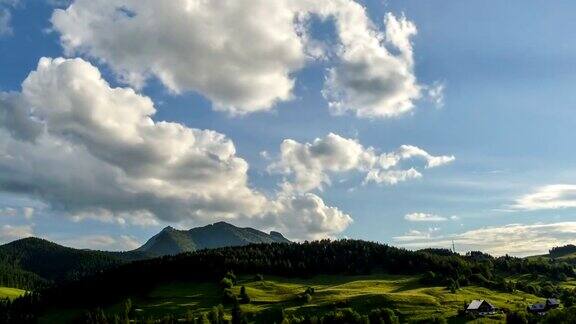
(539, 308)
(552, 303)
(542, 308)
(480, 307)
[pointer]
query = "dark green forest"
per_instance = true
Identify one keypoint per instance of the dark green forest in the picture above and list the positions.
(86, 280)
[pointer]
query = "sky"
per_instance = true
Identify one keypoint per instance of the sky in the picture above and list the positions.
(412, 123)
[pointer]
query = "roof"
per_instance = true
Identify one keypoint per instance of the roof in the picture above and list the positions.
(552, 301)
(537, 307)
(475, 304)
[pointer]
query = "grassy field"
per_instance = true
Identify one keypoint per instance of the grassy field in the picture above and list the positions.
(404, 294)
(11, 293)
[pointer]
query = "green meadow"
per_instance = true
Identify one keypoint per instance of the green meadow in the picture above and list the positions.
(11, 293)
(404, 294)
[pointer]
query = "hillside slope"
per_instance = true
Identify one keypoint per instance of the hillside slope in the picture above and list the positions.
(54, 262)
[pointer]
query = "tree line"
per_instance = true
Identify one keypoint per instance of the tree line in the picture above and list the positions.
(307, 259)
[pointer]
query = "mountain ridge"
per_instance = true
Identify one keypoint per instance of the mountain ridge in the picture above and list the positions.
(172, 241)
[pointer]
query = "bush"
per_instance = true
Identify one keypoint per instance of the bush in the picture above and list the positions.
(229, 297)
(307, 298)
(230, 275)
(244, 298)
(383, 315)
(226, 283)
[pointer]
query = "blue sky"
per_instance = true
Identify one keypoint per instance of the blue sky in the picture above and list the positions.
(507, 70)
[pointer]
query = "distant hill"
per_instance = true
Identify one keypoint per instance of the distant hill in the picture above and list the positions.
(53, 262)
(32, 262)
(171, 241)
(566, 251)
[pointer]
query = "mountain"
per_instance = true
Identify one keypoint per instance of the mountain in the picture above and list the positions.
(32, 262)
(171, 241)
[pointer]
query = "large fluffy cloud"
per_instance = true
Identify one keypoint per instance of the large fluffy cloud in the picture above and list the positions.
(548, 197)
(93, 151)
(244, 55)
(99, 147)
(311, 164)
(514, 239)
(307, 213)
(370, 80)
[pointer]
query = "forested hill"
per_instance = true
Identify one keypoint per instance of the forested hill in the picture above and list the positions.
(31, 263)
(566, 251)
(171, 241)
(342, 257)
(49, 262)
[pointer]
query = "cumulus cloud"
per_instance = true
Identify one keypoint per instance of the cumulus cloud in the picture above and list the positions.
(10, 233)
(310, 164)
(307, 214)
(239, 54)
(424, 217)
(513, 239)
(555, 196)
(371, 80)
(244, 56)
(92, 151)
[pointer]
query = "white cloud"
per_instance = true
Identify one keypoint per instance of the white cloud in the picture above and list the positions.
(6, 7)
(555, 196)
(28, 212)
(5, 22)
(115, 154)
(416, 235)
(8, 212)
(370, 80)
(424, 217)
(102, 242)
(307, 217)
(241, 55)
(92, 151)
(392, 177)
(311, 164)
(244, 56)
(435, 94)
(409, 151)
(10, 233)
(513, 239)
